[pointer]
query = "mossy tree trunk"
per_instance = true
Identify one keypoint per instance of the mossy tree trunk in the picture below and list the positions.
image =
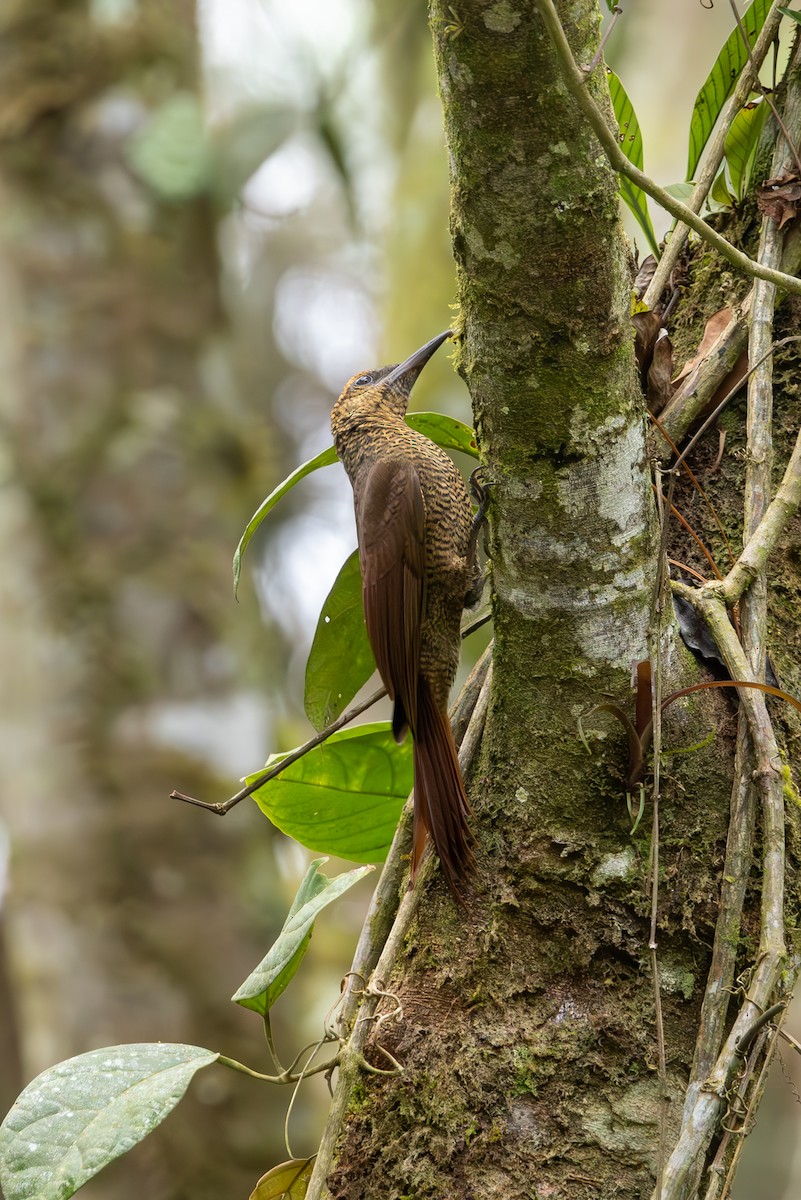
(528, 1029)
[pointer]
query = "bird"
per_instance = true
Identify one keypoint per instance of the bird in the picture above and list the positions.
(417, 549)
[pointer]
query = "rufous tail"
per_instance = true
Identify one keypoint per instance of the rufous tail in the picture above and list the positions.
(441, 807)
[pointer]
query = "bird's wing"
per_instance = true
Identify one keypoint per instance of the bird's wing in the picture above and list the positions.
(390, 521)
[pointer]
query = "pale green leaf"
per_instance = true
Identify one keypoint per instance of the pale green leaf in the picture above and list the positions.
(741, 145)
(681, 191)
(288, 1181)
(80, 1115)
(719, 193)
(263, 986)
(721, 81)
(792, 13)
(172, 153)
(340, 660)
(345, 796)
(630, 139)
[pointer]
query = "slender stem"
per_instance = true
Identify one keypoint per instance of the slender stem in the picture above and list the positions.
(700, 1123)
(714, 154)
(221, 809)
(284, 1077)
(575, 82)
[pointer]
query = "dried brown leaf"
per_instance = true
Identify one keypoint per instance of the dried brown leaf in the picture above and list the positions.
(645, 274)
(714, 328)
(779, 198)
(660, 386)
(646, 328)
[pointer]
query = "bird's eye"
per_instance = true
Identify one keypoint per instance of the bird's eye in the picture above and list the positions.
(364, 379)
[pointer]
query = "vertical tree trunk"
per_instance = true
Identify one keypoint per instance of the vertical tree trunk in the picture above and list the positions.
(528, 1031)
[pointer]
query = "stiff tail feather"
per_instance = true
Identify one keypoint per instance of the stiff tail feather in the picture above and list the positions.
(441, 807)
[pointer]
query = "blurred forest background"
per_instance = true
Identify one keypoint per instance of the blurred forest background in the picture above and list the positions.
(211, 215)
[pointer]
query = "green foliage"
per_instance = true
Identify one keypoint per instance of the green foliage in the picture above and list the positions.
(630, 138)
(77, 1117)
(721, 81)
(445, 431)
(263, 986)
(172, 154)
(741, 145)
(341, 658)
(792, 14)
(288, 1181)
(345, 796)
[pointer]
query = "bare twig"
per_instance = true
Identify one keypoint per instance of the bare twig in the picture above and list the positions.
(225, 806)
(665, 509)
(617, 159)
(779, 513)
(617, 11)
(727, 399)
(695, 394)
(700, 1123)
(714, 155)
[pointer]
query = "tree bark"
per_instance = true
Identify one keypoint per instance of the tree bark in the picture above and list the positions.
(528, 1043)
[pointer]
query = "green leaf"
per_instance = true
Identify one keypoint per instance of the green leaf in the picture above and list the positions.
(445, 431)
(326, 459)
(630, 138)
(172, 154)
(77, 1117)
(681, 191)
(721, 82)
(792, 13)
(288, 1181)
(263, 986)
(341, 659)
(719, 193)
(741, 145)
(345, 796)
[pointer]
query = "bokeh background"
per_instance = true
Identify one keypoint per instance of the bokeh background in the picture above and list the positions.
(211, 215)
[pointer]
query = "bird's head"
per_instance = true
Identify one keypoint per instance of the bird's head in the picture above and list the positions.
(386, 386)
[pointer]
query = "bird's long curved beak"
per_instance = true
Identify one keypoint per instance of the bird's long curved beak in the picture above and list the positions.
(414, 364)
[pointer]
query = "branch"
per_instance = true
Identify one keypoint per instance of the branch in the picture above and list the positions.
(222, 808)
(688, 404)
(714, 155)
(617, 159)
(751, 563)
(701, 1121)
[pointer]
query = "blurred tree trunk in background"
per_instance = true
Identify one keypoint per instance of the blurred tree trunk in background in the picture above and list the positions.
(127, 473)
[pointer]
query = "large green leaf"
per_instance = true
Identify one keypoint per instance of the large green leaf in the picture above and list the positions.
(340, 660)
(721, 82)
(325, 459)
(77, 1117)
(288, 1181)
(445, 431)
(345, 796)
(630, 138)
(741, 145)
(263, 986)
